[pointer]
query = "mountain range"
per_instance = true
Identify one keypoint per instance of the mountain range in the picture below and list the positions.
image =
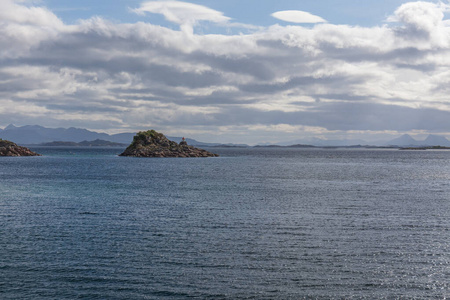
(408, 141)
(323, 143)
(35, 134)
(403, 141)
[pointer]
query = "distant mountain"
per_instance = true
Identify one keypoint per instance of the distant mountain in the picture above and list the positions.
(35, 134)
(196, 143)
(191, 141)
(436, 140)
(403, 141)
(123, 138)
(323, 143)
(408, 141)
(96, 143)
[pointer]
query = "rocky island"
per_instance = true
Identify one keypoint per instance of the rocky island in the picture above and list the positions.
(154, 144)
(8, 148)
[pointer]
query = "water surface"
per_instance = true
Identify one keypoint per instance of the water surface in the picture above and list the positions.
(83, 223)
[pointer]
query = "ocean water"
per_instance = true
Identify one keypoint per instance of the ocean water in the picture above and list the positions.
(83, 223)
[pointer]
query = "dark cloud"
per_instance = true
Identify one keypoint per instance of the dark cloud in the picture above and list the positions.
(83, 108)
(346, 116)
(253, 65)
(372, 116)
(301, 82)
(344, 97)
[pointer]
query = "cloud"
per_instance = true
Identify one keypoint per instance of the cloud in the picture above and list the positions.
(22, 27)
(183, 13)
(297, 16)
(125, 77)
(422, 16)
(15, 13)
(422, 20)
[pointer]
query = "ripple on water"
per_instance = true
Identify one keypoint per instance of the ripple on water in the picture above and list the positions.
(252, 224)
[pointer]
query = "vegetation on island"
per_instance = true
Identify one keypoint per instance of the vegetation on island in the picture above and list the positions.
(154, 144)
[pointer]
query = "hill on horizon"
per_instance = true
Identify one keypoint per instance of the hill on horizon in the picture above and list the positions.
(404, 140)
(408, 141)
(36, 134)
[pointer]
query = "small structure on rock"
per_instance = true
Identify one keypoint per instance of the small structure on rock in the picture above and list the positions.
(154, 144)
(8, 148)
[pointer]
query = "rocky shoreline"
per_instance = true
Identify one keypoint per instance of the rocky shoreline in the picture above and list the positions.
(8, 148)
(154, 144)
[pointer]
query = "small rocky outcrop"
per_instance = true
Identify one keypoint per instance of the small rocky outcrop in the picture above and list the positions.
(154, 144)
(8, 148)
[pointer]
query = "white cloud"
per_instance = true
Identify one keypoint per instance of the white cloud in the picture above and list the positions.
(12, 12)
(297, 16)
(115, 76)
(423, 16)
(183, 13)
(22, 27)
(423, 21)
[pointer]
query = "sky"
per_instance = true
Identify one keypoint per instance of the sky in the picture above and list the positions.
(241, 71)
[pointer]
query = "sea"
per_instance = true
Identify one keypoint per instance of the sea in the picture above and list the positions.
(254, 223)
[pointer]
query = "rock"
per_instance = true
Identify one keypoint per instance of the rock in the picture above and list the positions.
(154, 144)
(8, 148)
